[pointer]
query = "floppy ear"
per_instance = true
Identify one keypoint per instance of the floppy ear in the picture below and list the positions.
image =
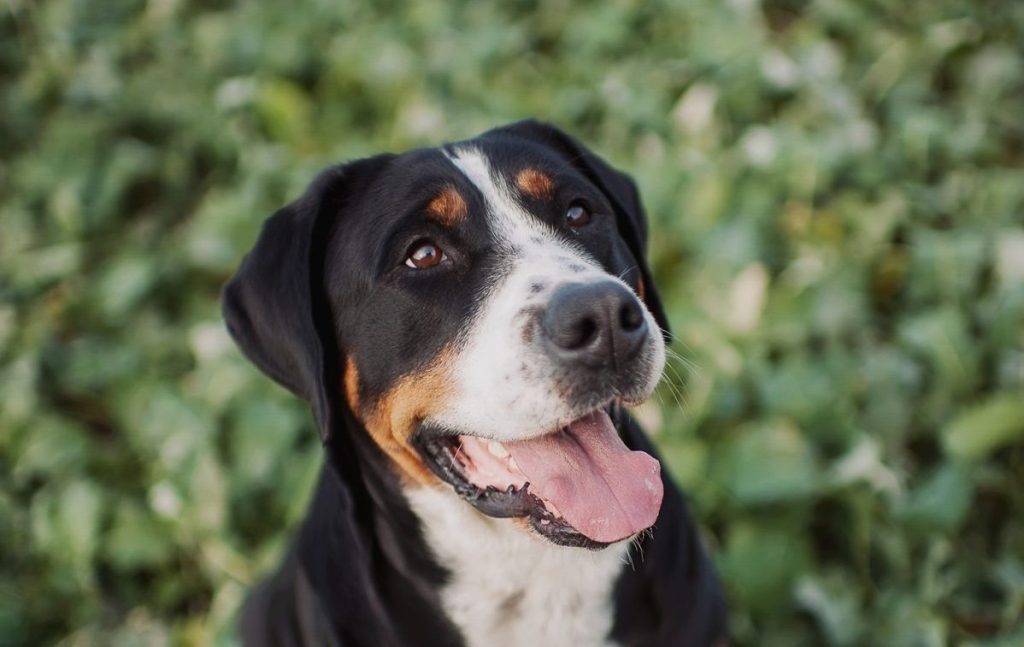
(618, 188)
(275, 306)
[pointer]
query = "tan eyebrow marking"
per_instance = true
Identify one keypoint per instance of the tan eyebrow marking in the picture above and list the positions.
(535, 183)
(351, 382)
(448, 207)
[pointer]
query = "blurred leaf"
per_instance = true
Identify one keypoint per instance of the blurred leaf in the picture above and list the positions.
(941, 337)
(207, 494)
(262, 435)
(772, 463)
(834, 602)
(123, 283)
(982, 429)
(91, 364)
(688, 461)
(905, 621)
(136, 539)
(285, 111)
(66, 526)
(53, 447)
(762, 563)
(940, 501)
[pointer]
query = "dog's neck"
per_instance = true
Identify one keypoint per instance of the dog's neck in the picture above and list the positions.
(509, 587)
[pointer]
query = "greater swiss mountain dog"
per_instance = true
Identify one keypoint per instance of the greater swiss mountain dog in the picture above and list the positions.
(468, 323)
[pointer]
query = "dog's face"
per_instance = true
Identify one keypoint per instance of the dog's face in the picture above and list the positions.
(487, 308)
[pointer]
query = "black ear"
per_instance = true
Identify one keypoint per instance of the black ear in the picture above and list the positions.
(275, 306)
(618, 188)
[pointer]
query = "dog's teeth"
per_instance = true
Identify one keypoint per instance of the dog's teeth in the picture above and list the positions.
(497, 449)
(512, 463)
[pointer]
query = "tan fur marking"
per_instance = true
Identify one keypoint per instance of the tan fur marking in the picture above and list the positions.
(535, 183)
(392, 419)
(641, 291)
(448, 207)
(351, 382)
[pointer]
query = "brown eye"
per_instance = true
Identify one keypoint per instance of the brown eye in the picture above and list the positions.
(577, 215)
(424, 255)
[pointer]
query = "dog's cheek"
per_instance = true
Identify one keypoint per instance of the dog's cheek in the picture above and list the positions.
(391, 418)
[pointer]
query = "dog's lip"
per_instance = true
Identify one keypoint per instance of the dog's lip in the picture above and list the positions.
(438, 450)
(606, 492)
(439, 446)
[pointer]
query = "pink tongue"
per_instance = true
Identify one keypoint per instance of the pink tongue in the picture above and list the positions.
(604, 490)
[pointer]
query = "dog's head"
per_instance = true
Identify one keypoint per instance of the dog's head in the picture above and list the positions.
(481, 309)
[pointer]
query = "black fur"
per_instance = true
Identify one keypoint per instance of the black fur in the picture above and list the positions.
(317, 288)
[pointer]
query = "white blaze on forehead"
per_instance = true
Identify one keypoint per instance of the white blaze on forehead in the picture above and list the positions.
(511, 223)
(505, 388)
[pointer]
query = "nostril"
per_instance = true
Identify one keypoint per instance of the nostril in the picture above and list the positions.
(598, 324)
(630, 317)
(582, 332)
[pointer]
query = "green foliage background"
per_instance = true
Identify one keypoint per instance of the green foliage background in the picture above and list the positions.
(837, 199)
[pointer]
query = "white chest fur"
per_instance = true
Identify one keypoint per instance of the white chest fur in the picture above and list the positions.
(512, 589)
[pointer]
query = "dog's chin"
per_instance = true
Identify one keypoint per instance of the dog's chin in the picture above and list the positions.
(578, 485)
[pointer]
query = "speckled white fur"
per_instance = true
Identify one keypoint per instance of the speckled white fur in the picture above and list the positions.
(510, 588)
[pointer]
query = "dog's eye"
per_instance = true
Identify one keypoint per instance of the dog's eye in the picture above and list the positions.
(424, 254)
(577, 215)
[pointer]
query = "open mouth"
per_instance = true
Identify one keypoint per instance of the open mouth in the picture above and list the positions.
(577, 486)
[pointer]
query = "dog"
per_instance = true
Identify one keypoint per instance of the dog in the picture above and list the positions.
(468, 324)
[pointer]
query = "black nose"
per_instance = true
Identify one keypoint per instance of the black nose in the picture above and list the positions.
(596, 324)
